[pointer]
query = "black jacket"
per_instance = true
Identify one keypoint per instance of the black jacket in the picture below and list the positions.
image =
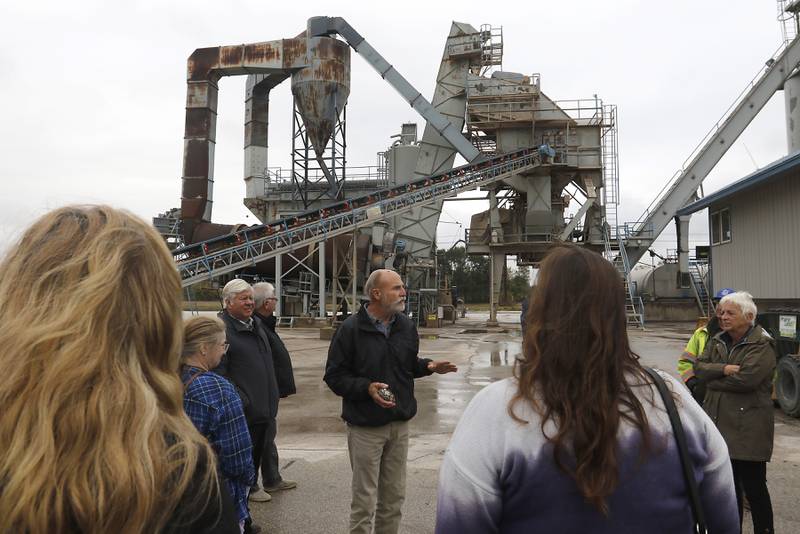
(360, 354)
(194, 515)
(280, 357)
(248, 364)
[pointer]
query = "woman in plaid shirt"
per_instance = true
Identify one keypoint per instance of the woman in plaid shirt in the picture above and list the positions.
(214, 407)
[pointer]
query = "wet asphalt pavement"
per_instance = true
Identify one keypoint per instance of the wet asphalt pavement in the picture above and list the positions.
(313, 450)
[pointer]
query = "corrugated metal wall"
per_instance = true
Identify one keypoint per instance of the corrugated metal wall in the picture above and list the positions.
(763, 256)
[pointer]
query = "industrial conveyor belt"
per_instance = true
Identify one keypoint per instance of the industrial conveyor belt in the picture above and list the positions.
(207, 259)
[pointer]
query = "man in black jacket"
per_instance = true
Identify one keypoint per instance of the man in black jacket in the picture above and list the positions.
(248, 365)
(372, 363)
(265, 301)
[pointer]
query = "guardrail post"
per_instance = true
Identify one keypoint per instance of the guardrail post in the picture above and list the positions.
(321, 252)
(278, 276)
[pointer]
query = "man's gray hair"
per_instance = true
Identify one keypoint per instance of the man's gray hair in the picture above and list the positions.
(744, 301)
(261, 292)
(233, 288)
(372, 282)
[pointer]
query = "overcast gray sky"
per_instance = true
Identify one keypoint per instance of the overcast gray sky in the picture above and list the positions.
(93, 92)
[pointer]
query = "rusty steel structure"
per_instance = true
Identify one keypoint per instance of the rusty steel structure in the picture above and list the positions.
(319, 66)
(502, 112)
(205, 67)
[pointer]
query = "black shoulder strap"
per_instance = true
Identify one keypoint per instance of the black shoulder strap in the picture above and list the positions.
(683, 450)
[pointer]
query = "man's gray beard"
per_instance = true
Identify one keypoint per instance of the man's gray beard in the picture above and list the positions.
(394, 307)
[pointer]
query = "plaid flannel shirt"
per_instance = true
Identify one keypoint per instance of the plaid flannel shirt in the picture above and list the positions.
(215, 408)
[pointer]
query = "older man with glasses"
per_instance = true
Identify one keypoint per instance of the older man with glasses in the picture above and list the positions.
(265, 303)
(248, 363)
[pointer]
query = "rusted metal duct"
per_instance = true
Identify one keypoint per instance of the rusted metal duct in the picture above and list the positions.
(204, 69)
(321, 90)
(256, 137)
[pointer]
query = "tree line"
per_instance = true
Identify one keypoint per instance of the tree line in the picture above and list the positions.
(470, 276)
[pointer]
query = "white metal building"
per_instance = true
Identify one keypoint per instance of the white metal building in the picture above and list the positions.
(754, 233)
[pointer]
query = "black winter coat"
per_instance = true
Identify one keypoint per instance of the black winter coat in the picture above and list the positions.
(280, 357)
(248, 364)
(360, 354)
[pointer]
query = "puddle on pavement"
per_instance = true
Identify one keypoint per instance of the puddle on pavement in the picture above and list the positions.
(484, 331)
(500, 354)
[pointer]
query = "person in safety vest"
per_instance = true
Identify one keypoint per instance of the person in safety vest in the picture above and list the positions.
(694, 348)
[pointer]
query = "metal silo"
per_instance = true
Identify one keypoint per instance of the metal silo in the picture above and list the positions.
(321, 89)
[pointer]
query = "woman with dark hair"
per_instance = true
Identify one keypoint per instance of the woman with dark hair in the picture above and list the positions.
(579, 440)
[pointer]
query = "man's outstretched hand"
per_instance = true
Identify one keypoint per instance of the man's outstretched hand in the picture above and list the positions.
(442, 367)
(380, 401)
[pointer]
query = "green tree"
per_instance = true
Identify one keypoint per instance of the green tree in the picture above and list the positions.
(518, 284)
(469, 274)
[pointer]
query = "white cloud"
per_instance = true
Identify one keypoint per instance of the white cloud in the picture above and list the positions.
(94, 91)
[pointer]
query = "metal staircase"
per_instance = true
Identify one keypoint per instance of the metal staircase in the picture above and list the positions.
(208, 259)
(704, 301)
(413, 305)
(634, 307)
(610, 165)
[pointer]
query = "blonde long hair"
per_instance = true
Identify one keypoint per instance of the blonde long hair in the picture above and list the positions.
(93, 433)
(199, 331)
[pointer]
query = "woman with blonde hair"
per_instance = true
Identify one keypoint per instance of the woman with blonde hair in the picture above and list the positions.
(93, 434)
(578, 440)
(213, 405)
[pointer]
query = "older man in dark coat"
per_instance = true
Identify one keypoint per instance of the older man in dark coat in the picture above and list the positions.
(249, 366)
(372, 363)
(265, 303)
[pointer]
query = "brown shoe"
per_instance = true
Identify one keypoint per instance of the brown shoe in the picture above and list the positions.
(259, 495)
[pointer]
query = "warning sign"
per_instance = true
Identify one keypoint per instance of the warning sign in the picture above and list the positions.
(787, 326)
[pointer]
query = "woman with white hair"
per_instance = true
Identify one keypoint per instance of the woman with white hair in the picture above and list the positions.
(737, 366)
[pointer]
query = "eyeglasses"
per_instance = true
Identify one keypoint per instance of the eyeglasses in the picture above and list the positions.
(273, 298)
(225, 345)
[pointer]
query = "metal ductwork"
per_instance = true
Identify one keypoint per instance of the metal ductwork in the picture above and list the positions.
(204, 69)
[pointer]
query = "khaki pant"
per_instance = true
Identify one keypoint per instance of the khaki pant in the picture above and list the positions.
(378, 458)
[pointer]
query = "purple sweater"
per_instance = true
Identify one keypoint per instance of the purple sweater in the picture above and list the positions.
(499, 475)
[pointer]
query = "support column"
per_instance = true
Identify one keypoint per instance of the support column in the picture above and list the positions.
(354, 273)
(791, 95)
(682, 228)
(256, 128)
(321, 252)
(335, 281)
(492, 304)
(278, 276)
(496, 262)
(496, 233)
(199, 141)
